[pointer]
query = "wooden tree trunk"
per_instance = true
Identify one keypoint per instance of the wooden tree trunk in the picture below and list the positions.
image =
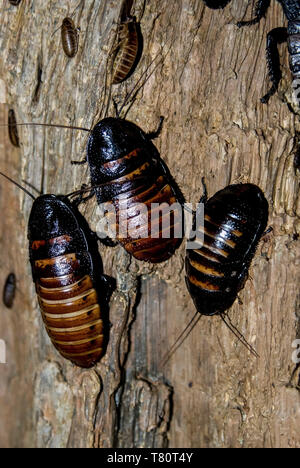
(205, 76)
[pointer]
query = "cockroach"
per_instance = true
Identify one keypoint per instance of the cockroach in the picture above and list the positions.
(215, 4)
(69, 37)
(128, 50)
(12, 129)
(14, 2)
(291, 35)
(235, 219)
(67, 271)
(9, 291)
(126, 170)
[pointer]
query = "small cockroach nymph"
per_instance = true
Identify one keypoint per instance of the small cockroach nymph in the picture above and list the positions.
(235, 219)
(128, 51)
(12, 129)
(69, 37)
(126, 168)
(9, 290)
(67, 271)
(291, 35)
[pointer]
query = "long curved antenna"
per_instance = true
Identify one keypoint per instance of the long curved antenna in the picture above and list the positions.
(18, 185)
(181, 338)
(239, 335)
(46, 125)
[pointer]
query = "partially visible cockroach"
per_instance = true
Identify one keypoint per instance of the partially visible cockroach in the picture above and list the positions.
(215, 4)
(67, 271)
(127, 171)
(291, 34)
(9, 290)
(235, 219)
(69, 37)
(12, 129)
(14, 2)
(129, 47)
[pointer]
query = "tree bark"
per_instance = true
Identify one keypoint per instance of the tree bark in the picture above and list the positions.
(205, 76)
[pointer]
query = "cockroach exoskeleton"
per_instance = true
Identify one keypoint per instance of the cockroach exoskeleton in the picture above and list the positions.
(9, 290)
(14, 2)
(69, 37)
(129, 48)
(126, 168)
(291, 35)
(67, 271)
(235, 219)
(12, 129)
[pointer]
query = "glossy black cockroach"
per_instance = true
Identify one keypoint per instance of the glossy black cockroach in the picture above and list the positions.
(291, 35)
(12, 129)
(14, 2)
(9, 290)
(125, 166)
(129, 47)
(67, 271)
(215, 4)
(235, 219)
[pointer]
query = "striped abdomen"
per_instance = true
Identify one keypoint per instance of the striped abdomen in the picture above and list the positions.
(234, 220)
(145, 231)
(127, 51)
(70, 308)
(294, 46)
(69, 37)
(66, 270)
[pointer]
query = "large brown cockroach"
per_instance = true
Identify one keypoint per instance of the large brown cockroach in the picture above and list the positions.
(9, 291)
(67, 271)
(235, 219)
(12, 129)
(126, 168)
(69, 37)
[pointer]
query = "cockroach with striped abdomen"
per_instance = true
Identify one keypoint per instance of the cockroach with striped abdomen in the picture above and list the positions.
(12, 129)
(9, 291)
(129, 47)
(235, 219)
(126, 170)
(67, 271)
(291, 35)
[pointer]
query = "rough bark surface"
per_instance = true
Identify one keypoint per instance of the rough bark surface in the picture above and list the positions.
(205, 76)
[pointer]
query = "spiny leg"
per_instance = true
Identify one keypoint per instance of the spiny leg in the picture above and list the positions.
(274, 37)
(260, 11)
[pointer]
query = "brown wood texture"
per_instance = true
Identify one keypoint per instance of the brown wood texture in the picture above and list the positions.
(205, 76)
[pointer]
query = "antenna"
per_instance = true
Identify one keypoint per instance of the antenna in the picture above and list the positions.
(181, 338)
(18, 185)
(239, 335)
